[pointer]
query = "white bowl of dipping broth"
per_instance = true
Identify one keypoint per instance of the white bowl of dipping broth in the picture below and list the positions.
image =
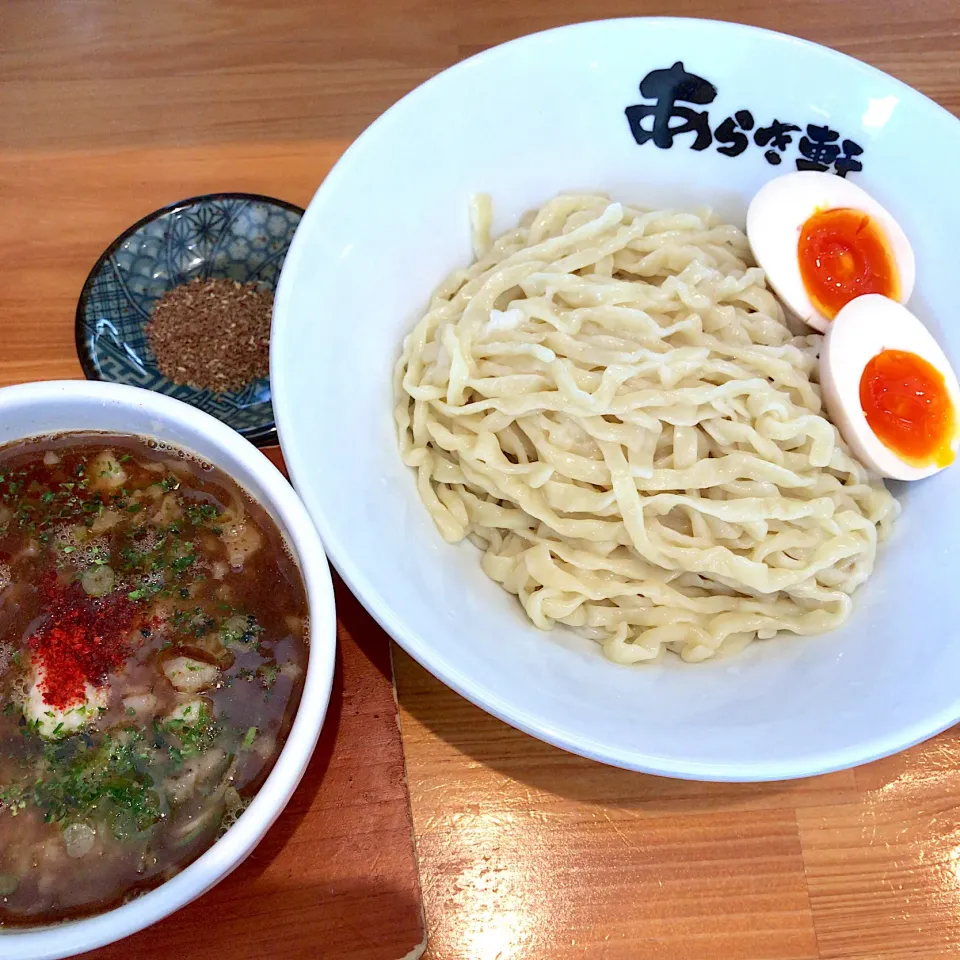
(60, 407)
(592, 108)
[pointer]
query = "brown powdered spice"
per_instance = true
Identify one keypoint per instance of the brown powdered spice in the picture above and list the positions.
(212, 334)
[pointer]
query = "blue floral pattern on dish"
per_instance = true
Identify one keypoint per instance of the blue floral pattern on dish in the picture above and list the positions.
(240, 237)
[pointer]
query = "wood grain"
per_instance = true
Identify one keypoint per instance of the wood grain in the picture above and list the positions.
(108, 110)
(529, 852)
(96, 73)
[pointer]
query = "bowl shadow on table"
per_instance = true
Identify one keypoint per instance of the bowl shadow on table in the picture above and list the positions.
(353, 619)
(529, 764)
(305, 794)
(377, 652)
(353, 626)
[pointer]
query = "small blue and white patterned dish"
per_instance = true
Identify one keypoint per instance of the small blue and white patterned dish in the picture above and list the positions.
(236, 236)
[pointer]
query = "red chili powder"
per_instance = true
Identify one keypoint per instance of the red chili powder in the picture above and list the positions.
(81, 642)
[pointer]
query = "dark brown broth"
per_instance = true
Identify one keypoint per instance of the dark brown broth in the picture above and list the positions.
(147, 791)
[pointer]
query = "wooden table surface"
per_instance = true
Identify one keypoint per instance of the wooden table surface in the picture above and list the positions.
(108, 110)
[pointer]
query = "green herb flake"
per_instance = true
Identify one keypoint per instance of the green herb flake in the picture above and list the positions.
(111, 779)
(268, 674)
(181, 563)
(201, 513)
(196, 736)
(12, 798)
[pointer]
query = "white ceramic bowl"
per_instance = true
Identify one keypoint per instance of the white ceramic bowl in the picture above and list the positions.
(525, 121)
(56, 407)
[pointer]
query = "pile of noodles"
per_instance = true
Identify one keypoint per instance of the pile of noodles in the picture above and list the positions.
(611, 405)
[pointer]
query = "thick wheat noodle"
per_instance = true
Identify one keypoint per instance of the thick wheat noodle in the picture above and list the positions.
(612, 406)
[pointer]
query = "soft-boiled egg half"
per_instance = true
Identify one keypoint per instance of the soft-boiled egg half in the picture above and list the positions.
(889, 389)
(823, 242)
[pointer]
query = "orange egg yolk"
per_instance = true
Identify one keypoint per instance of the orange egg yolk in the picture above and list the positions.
(906, 403)
(844, 254)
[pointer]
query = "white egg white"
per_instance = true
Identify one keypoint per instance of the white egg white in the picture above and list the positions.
(776, 216)
(54, 723)
(861, 330)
